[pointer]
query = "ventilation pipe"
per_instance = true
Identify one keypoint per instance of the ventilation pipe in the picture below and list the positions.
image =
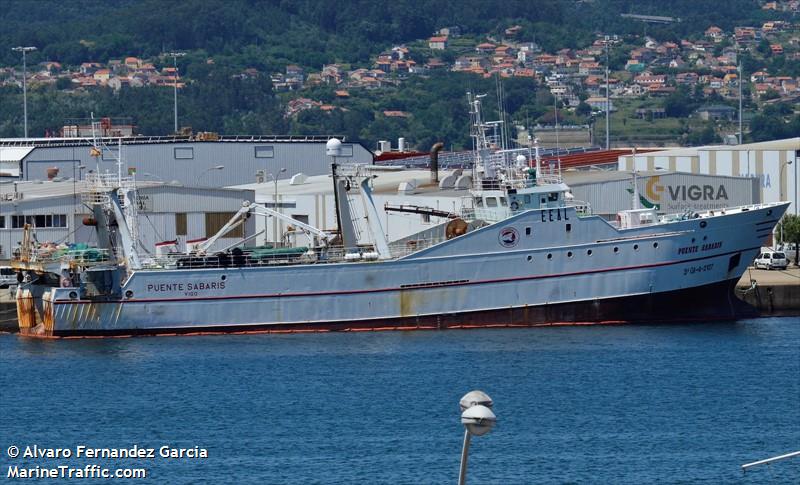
(435, 149)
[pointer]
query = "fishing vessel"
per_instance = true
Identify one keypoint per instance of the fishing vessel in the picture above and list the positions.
(525, 254)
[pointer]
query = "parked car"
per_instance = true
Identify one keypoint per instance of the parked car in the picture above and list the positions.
(771, 260)
(7, 276)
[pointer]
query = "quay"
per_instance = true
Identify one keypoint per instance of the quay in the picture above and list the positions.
(775, 292)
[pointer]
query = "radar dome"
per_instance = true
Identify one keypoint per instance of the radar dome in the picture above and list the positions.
(333, 148)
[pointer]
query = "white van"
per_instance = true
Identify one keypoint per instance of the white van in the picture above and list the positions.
(769, 259)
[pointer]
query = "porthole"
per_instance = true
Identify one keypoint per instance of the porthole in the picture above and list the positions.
(769, 212)
(527, 231)
(549, 255)
(530, 258)
(703, 224)
(616, 249)
(589, 252)
(569, 254)
(73, 295)
(655, 245)
(635, 247)
(129, 294)
(705, 238)
(693, 240)
(223, 277)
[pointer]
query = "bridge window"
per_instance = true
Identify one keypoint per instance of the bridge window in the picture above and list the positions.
(527, 231)
(491, 202)
(503, 201)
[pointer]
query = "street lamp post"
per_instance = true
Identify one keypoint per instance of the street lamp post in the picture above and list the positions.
(175, 56)
(218, 167)
(781, 195)
(24, 51)
(478, 419)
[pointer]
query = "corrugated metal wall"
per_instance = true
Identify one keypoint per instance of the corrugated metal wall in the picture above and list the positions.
(673, 192)
(163, 161)
(158, 206)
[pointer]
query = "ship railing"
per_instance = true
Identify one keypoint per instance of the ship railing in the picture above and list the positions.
(74, 257)
(398, 249)
(582, 208)
(100, 184)
(493, 214)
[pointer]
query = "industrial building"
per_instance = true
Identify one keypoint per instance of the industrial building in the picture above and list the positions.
(773, 163)
(311, 200)
(165, 212)
(669, 192)
(212, 161)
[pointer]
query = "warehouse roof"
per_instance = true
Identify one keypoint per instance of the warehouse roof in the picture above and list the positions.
(135, 140)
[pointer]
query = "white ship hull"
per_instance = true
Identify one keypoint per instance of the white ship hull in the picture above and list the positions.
(545, 266)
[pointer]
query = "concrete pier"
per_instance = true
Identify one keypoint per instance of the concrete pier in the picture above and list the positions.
(772, 292)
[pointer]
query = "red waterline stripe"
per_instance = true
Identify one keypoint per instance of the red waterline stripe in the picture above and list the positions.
(380, 290)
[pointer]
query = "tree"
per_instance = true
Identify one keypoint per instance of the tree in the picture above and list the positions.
(791, 233)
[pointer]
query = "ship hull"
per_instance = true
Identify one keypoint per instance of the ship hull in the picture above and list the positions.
(560, 269)
(715, 301)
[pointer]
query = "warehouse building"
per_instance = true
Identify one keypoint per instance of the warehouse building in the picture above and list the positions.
(668, 192)
(773, 163)
(213, 162)
(310, 199)
(166, 212)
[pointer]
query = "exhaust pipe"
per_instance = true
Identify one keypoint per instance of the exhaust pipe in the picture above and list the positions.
(435, 149)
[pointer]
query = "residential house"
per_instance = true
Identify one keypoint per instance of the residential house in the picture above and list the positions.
(133, 63)
(88, 68)
(715, 33)
(485, 48)
(716, 113)
(102, 75)
(438, 43)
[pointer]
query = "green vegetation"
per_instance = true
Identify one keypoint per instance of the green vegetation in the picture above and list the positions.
(222, 38)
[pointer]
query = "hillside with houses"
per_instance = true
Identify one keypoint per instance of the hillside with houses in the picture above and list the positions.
(660, 87)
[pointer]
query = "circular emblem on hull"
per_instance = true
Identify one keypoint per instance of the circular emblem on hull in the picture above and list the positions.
(508, 237)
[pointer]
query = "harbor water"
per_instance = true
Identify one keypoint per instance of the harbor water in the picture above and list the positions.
(597, 404)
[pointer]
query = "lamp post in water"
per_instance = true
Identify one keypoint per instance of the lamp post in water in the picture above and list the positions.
(24, 51)
(478, 419)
